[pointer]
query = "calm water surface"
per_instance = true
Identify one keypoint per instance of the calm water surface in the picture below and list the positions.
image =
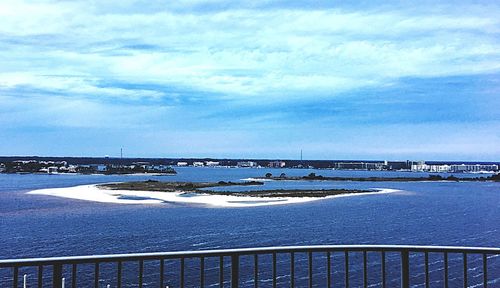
(423, 213)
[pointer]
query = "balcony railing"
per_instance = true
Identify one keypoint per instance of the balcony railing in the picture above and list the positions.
(295, 266)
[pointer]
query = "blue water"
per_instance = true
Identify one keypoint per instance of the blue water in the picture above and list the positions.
(424, 213)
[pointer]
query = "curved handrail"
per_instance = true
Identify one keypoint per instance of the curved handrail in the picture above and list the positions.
(245, 251)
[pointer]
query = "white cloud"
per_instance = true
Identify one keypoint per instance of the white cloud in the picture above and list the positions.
(59, 111)
(75, 85)
(277, 53)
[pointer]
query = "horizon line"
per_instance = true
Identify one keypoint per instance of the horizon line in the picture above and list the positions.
(243, 158)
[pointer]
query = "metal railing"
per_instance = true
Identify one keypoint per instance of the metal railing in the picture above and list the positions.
(374, 265)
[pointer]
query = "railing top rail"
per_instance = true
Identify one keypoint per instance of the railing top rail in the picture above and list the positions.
(243, 251)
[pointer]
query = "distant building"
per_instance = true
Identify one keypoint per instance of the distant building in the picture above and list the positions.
(277, 164)
(246, 164)
(63, 169)
(101, 168)
(85, 169)
(419, 166)
(52, 169)
(475, 168)
(142, 164)
(460, 168)
(398, 165)
(359, 165)
(198, 164)
(19, 162)
(430, 168)
(181, 164)
(158, 167)
(72, 168)
(439, 168)
(211, 163)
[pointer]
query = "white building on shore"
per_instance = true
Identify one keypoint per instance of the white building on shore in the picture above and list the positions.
(454, 168)
(474, 168)
(247, 164)
(277, 164)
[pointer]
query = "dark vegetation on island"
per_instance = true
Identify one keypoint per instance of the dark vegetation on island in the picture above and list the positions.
(313, 176)
(316, 193)
(164, 186)
(195, 187)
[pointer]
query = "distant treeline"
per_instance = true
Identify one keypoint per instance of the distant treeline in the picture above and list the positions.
(173, 161)
(222, 162)
(313, 176)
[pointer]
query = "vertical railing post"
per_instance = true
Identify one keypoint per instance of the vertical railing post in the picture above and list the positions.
(118, 276)
(405, 269)
(329, 270)
(57, 276)
(446, 270)
(141, 272)
(221, 271)
(73, 276)
(96, 275)
(15, 279)
(162, 272)
(235, 270)
(310, 266)
(202, 272)
(485, 271)
(40, 276)
(274, 270)
(365, 270)
(182, 273)
(256, 270)
(426, 260)
(466, 282)
(383, 269)
(346, 267)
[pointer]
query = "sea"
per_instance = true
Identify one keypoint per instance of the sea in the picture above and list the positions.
(421, 213)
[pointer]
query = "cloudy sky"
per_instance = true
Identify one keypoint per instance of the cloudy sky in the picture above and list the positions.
(371, 80)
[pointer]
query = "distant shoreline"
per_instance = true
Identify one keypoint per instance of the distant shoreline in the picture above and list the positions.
(314, 177)
(35, 163)
(105, 174)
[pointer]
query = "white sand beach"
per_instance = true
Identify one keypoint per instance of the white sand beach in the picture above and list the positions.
(96, 194)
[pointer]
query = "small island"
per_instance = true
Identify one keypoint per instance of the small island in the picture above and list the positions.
(201, 194)
(197, 188)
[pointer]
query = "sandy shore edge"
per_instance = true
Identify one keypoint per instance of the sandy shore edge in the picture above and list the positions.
(96, 194)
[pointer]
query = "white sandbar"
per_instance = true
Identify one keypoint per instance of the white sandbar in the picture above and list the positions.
(96, 194)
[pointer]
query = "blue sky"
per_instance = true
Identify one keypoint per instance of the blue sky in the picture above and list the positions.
(260, 79)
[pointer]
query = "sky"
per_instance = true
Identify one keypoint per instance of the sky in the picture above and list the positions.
(391, 80)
